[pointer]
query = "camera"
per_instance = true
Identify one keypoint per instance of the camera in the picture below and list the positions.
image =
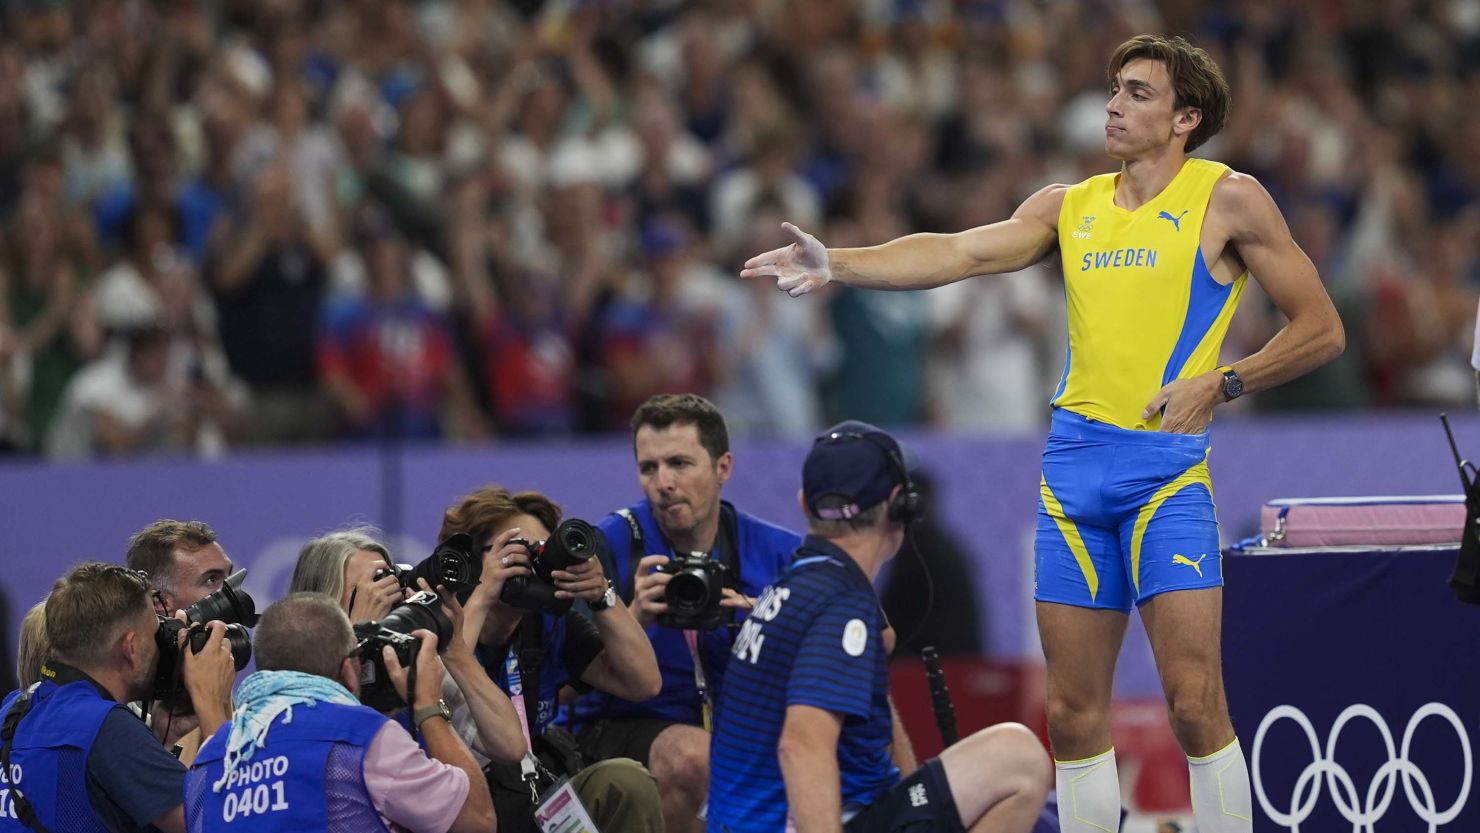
(694, 593)
(422, 610)
(456, 564)
(231, 605)
(573, 542)
(402, 572)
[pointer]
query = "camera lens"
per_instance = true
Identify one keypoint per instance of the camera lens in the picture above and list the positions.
(422, 610)
(454, 564)
(230, 604)
(689, 590)
(241, 643)
(574, 542)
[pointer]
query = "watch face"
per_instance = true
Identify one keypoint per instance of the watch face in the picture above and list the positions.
(1233, 387)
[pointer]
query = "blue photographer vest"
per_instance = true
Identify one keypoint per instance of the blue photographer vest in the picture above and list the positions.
(763, 551)
(309, 776)
(48, 758)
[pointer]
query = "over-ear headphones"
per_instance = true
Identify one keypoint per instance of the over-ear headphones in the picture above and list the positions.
(908, 506)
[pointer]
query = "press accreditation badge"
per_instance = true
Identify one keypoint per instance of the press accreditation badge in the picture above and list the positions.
(560, 811)
(855, 637)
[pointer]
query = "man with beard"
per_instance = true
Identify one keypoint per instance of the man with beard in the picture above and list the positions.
(71, 735)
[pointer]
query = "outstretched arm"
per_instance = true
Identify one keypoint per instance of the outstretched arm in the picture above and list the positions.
(917, 261)
(1313, 336)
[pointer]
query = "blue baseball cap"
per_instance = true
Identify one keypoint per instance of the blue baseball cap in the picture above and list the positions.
(852, 467)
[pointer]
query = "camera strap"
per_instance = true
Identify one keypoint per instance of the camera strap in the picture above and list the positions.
(20, 805)
(522, 670)
(728, 554)
(728, 545)
(700, 681)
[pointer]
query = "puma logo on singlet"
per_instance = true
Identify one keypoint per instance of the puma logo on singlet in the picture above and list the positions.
(1196, 565)
(1176, 221)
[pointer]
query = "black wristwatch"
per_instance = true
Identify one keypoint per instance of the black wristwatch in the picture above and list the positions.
(607, 599)
(1233, 386)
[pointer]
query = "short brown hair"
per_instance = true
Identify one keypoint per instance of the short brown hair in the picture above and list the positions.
(1197, 82)
(152, 549)
(88, 605)
(480, 512)
(667, 409)
(278, 643)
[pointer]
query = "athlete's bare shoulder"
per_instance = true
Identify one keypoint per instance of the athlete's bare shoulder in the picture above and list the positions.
(1044, 205)
(1239, 204)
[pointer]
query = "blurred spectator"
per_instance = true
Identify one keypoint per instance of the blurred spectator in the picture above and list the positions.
(775, 350)
(529, 359)
(94, 137)
(268, 282)
(882, 336)
(158, 182)
(386, 359)
(311, 157)
(533, 148)
(675, 165)
(44, 332)
(122, 403)
(770, 174)
(661, 337)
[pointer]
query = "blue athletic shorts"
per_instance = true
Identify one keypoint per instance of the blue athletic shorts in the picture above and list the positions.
(1123, 515)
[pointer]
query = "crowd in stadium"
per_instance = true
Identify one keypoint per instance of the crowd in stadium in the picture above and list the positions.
(286, 221)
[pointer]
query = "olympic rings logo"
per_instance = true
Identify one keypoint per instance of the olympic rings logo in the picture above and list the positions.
(1343, 791)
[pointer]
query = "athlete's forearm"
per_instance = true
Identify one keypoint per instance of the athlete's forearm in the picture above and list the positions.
(1302, 345)
(918, 261)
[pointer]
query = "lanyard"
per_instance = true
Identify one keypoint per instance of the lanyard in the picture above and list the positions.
(700, 681)
(527, 768)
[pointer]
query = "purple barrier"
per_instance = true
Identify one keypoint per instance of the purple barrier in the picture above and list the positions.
(265, 505)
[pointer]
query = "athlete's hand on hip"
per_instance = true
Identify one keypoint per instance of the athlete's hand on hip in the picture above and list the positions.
(798, 268)
(1188, 404)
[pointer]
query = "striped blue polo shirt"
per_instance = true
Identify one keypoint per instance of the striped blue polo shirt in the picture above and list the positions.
(815, 638)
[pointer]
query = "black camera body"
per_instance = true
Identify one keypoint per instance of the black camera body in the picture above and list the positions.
(572, 543)
(423, 610)
(694, 593)
(230, 605)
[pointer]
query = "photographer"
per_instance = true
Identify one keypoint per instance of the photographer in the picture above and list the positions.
(70, 735)
(532, 653)
(184, 563)
(33, 648)
(683, 460)
(803, 729)
(301, 752)
(183, 560)
(357, 570)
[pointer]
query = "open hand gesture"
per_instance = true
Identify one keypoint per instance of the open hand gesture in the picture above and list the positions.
(798, 268)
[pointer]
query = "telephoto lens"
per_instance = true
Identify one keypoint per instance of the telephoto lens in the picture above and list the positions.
(573, 542)
(423, 610)
(231, 605)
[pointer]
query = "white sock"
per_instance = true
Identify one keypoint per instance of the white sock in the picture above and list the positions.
(1220, 791)
(1089, 794)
